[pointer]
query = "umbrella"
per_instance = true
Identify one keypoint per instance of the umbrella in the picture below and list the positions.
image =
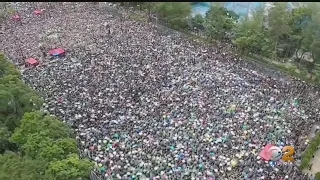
(37, 11)
(233, 163)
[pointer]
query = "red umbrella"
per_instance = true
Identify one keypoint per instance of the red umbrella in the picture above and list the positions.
(16, 17)
(55, 52)
(37, 12)
(32, 61)
(60, 51)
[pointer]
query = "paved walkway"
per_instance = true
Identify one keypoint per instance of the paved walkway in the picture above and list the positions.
(316, 160)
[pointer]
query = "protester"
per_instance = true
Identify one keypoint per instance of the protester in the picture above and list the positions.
(148, 103)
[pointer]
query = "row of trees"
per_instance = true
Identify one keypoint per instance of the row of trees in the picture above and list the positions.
(309, 152)
(280, 34)
(33, 145)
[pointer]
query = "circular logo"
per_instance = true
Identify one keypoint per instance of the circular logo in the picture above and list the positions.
(274, 153)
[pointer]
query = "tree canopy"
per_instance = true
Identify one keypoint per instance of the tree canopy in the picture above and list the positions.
(70, 168)
(174, 13)
(33, 144)
(16, 99)
(218, 23)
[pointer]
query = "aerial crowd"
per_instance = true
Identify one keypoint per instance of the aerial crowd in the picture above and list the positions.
(149, 103)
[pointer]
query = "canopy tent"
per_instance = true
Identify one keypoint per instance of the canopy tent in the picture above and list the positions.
(56, 52)
(32, 61)
(264, 153)
(37, 12)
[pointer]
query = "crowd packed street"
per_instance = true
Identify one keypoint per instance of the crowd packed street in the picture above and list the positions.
(147, 103)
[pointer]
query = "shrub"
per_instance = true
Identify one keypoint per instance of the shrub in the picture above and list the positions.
(317, 177)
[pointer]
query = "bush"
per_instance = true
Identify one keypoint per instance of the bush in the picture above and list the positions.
(317, 177)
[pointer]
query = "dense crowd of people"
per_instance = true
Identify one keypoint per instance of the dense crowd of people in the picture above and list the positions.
(147, 103)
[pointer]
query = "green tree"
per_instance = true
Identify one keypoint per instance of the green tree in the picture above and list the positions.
(278, 26)
(14, 167)
(6, 67)
(298, 20)
(12, 90)
(251, 36)
(149, 6)
(16, 97)
(198, 19)
(39, 146)
(37, 122)
(72, 168)
(315, 54)
(317, 176)
(4, 139)
(218, 23)
(310, 42)
(35, 144)
(9, 109)
(243, 45)
(175, 14)
(3, 11)
(197, 22)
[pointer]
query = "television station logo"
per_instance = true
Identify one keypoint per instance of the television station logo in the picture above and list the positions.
(275, 153)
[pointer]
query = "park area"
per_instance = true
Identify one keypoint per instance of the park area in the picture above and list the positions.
(114, 91)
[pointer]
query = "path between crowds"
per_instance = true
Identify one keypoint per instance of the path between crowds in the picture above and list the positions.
(316, 160)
